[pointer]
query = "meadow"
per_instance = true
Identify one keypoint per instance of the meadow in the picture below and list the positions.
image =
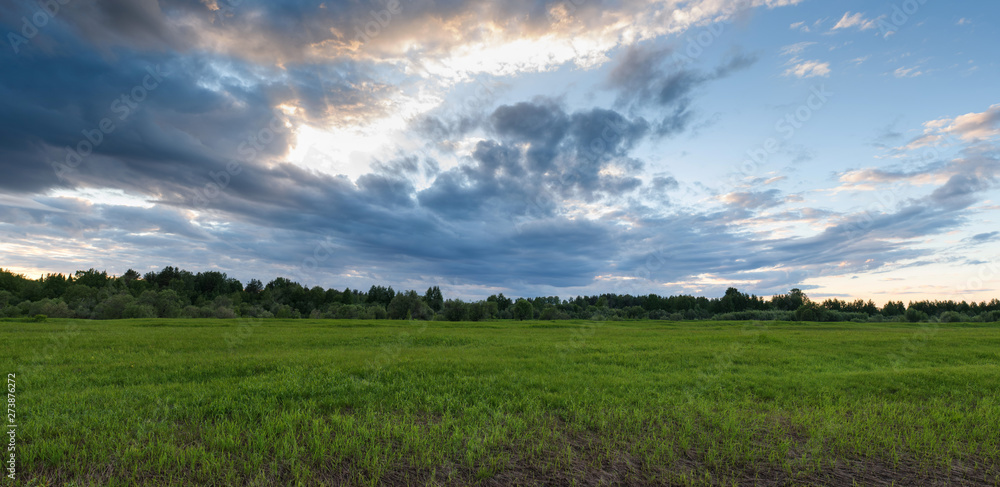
(316, 402)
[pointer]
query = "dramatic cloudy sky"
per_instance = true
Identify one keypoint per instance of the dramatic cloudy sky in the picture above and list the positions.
(542, 147)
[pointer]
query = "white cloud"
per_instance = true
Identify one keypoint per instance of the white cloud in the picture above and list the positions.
(963, 21)
(971, 127)
(795, 48)
(799, 26)
(902, 72)
(857, 20)
(807, 69)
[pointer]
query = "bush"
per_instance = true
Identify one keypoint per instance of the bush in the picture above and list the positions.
(190, 311)
(136, 310)
(658, 314)
(408, 305)
(953, 317)
(39, 318)
(223, 312)
(113, 308)
(914, 315)
(55, 308)
(285, 311)
(990, 316)
(756, 315)
(809, 312)
(455, 310)
(523, 310)
(552, 313)
(635, 313)
(374, 312)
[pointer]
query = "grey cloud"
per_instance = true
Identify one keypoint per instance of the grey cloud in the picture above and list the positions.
(650, 76)
(983, 237)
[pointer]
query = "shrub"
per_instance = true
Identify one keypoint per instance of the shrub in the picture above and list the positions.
(136, 310)
(914, 315)
(756, 315)
(953, 317)
(223, 312)
(552, 313)
(635, 312)
(808, 312)
(39, 318)
(990, 316)
(408, 306)
(523, 310)
(658, 314)
(55, 308)
(285, 311)
(190, 311)
(113, 308)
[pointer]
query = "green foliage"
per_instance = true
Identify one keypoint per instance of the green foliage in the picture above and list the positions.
(455, 310)
(409, 306)
(173, 293)
(502, 302)
(434, 298)
(39, 318)
(523, 310)
(136, 310)
(914, 315)
(953, 317)
(809, 312)
(114, 307)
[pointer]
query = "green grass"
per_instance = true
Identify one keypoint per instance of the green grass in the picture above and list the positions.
(181, 402)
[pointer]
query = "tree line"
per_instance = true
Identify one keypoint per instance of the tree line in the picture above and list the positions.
(177, 293)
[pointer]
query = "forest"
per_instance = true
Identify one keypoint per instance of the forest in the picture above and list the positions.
(177, 293)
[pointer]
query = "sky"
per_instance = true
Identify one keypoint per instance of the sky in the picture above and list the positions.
(536, 148)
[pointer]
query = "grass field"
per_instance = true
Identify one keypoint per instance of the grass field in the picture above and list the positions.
(181, 402)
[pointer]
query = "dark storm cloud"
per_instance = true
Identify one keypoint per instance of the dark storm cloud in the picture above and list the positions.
(169, 121)
(652, 75)
(542, 124)
(565, 156)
